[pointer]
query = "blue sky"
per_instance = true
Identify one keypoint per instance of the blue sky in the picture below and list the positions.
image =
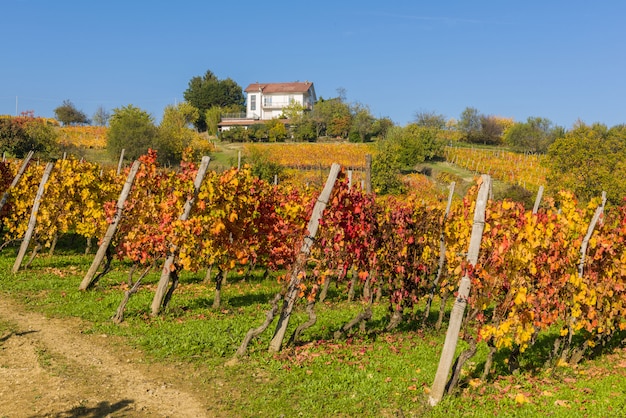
(563, 60)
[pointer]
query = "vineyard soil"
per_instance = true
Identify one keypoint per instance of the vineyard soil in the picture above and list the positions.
(51, 369)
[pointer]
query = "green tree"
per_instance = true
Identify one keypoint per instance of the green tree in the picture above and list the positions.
(587, 160)
(259, 132)
(362, 128)
(67, 114)
(491, 130)
(132, 129)
(415, 144)
(333, 117)
(430, 119)
(277, 132)
(534, 135)
(386, 167)
(213, 117)
(101, 117)
(175, 133)
(381, 126)
(470, 125)
(209, 91)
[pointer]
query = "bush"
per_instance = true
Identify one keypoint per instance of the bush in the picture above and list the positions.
(19, 135)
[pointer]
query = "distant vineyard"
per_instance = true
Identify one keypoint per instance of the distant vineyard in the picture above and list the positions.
(305, 155)
(83, 136)
(525, 170)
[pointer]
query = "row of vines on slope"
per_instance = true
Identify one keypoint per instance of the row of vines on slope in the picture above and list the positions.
(526, 281)
(525, 170)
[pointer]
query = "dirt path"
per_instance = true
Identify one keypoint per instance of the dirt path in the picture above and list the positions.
(48, 368)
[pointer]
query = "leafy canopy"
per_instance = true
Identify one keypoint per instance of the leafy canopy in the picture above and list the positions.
(587, 160)
(68, 114)
(534, 135)
(208, 91)
(131, 129)
(21, 134)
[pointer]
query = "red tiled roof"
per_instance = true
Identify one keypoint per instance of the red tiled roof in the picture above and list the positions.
(266, 88)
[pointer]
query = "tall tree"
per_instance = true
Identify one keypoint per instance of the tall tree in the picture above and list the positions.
(430, 119)
(101, 117)
(333, 117)
(68, 114)
(132, 129)
(362, 123)
(175, 132)
(208, 91)
(534, 135)
(470, 125)
(491, 130)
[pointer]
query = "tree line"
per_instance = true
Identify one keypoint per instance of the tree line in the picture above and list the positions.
(586, 158)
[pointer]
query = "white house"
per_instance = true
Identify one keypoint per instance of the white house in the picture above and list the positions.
(267, 100)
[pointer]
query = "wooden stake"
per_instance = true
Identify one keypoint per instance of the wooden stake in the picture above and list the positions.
(88, 280)
(458, 310)
(590, 229)
(120, 162)
(166, 272)
(16, 179)
(298, 267)
(368, 173)
(33, 218)
(442, 254)
(538, 200)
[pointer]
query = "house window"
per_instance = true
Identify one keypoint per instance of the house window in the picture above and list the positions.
(267, 101)
(253, 102)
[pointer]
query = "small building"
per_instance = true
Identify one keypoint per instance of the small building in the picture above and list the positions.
(266, 101)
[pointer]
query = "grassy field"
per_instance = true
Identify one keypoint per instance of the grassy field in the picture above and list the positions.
(371, 373)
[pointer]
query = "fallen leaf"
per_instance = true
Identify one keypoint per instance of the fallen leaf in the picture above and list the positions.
(521, 399)
(564, 403)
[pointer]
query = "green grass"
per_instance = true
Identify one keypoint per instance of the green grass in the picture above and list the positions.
(368, 374)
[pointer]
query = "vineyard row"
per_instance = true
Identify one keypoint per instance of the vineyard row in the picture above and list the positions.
(535, 271)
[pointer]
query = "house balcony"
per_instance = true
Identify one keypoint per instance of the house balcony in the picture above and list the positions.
(283, 104)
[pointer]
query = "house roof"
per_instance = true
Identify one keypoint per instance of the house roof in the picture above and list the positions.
(268, 88)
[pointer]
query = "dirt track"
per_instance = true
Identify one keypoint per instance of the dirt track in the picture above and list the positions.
(48, 368)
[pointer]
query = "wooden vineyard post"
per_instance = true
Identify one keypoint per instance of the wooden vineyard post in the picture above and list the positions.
(16, 179)
(166, 272)
(299, 264)
(120, 162)
(458, 310)
(368, 173)
(590, 229)
(108, 236)
(538, 200)
(442, 253)
(33, 218)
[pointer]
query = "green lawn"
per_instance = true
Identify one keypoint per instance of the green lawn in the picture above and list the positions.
(375, 373)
